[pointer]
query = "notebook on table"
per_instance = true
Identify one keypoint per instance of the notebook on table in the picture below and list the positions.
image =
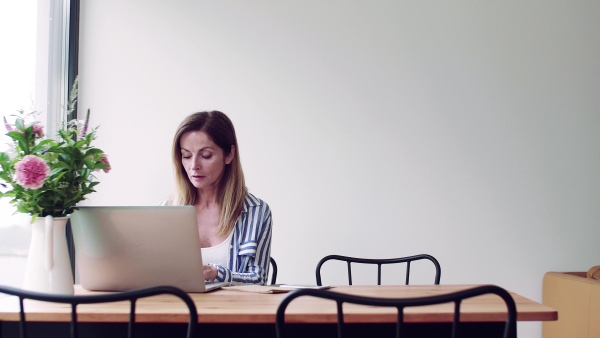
(119, 248)
(277, 288)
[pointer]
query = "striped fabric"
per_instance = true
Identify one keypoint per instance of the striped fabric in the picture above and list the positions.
(250, 247)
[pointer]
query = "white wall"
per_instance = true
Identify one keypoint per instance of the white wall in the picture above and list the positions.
(463, 129)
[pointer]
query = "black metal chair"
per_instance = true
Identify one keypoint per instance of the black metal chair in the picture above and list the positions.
(379, 262)
(510, 329)
(131, 296)
(273, 271)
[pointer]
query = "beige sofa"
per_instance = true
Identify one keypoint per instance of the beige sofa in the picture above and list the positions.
(576, 297)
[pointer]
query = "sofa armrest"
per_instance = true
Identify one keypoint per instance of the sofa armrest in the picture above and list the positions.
(577, 300)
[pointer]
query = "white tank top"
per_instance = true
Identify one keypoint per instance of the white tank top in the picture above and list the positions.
(218, 254)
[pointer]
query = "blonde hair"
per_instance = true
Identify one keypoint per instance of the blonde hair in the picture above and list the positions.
(231, 190)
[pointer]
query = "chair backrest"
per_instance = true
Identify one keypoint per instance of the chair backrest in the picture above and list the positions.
(273, 271)
(379, 263)
(132, 296)
(510, 329)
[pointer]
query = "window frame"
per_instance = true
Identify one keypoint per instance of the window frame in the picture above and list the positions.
(56, 68)
(72, 73)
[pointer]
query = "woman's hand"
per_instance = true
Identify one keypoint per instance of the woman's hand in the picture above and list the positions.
(210, 273)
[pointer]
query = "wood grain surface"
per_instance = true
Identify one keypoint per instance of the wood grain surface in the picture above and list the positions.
(224, 306)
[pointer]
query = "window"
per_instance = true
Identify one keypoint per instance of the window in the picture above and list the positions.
(34, 35)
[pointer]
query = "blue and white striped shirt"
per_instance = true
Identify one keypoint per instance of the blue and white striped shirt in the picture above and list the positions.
(250, 247)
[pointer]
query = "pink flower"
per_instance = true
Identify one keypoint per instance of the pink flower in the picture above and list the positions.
(31, 172)
(104, 160)
(7, 126)
(38, 130)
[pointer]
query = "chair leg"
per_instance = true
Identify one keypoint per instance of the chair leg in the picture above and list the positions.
(73, 321)
(131, 319)
(400, 322)
(340, 315)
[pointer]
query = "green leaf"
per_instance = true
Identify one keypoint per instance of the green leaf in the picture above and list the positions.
(48, 142)
(85, 173)
(93, 151)
(20, 124)
(89, 163)
(5, 176)
(41, 146)
(61, 165)
(81, 143)
(56, 170)
(59, 176)
(65, 158)
(23, 146)
(15, 135)
(100, 166)
(4, 157)
(21, 208)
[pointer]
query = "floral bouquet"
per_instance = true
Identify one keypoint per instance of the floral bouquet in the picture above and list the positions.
(45, 177)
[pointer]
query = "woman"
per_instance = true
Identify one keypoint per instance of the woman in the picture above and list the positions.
(234, 226)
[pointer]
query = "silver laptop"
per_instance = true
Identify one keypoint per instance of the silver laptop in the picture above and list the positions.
(119, 248)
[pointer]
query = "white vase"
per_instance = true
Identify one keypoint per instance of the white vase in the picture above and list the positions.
(48, 263)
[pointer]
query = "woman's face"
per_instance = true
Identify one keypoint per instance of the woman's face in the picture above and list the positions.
(203, 160)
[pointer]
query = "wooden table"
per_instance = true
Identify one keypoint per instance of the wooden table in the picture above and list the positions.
(254, 313)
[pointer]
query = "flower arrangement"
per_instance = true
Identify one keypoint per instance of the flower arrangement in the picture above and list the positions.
(45, 177)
